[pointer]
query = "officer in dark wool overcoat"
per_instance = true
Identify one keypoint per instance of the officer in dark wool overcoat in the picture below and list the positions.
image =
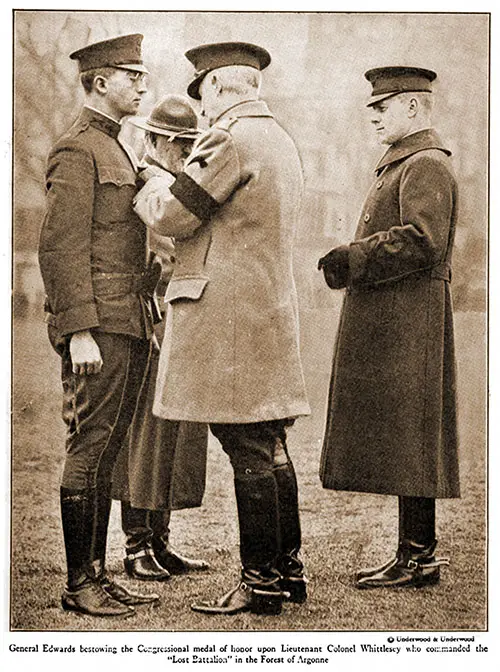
(93, 254)
(163, 465)
(391, 426)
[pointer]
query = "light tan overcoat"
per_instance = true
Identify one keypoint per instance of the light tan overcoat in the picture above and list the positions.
(231, 348)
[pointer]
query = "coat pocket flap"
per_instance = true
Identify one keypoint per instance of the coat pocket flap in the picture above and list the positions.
(185, 288)
(116, 175)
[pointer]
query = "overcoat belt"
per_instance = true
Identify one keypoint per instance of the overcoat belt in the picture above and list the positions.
(391, 424)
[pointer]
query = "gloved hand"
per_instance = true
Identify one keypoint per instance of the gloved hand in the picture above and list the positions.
(335, 267)
(151, 275)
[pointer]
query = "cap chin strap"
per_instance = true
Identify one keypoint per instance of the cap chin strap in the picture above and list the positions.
(174, 136)
(180, 134)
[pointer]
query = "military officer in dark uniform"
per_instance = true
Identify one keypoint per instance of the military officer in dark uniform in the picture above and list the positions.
(391, 426)
(164, 464)
(93, 253)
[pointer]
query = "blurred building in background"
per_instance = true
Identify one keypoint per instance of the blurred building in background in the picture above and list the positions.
(316, 88)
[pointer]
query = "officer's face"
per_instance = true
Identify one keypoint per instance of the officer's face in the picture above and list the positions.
(391, 118)
(124, 92)
(173, 154)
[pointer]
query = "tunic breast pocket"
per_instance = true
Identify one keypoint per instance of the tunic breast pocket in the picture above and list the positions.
(114, 190)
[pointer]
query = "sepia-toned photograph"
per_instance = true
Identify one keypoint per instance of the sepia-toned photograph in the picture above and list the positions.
(249, 321)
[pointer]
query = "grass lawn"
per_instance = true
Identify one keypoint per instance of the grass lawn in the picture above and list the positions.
(342, 531)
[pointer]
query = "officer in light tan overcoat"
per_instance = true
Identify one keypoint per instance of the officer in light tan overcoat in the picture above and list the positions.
(231, 355)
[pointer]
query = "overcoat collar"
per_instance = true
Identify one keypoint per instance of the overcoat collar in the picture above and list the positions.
(410, 144)
(247, 108)
(100, 121)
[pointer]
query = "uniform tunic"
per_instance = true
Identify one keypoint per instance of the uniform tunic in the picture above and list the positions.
(231, 347)
(93, 261)
(93, 246)
(391, 424)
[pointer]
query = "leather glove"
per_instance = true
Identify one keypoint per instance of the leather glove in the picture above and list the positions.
(335, 267)
(151, 275)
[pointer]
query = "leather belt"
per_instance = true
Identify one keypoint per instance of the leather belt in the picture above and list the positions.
(113, 283)
(442, 271)
(108, 284)
(143, 284)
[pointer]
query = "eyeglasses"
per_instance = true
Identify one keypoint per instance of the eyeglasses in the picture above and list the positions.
(138, 77)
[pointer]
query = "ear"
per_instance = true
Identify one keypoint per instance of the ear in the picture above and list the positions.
(100, 84)
(216, 84)
(412, 108)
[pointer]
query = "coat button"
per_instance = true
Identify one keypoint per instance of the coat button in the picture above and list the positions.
(367, 217)
(379, 184)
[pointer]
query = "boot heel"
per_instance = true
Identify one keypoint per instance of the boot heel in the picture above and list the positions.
(265, 602)
(430, 579)
(296, 588)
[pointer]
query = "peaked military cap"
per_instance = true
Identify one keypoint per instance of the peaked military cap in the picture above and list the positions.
(119, 52)
(172, 116)
(209, 57)
(390, 81)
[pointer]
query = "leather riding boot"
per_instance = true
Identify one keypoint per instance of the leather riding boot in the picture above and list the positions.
(125, 595)
(258, 591)
(371, 571)
(415, 565)
(83, 593)
(76, 518)
(102, 510)
(168, 557)
(258, 518)
(289, 564)
(119, 592)
(113, 589)
(417, 521)
(140, 562)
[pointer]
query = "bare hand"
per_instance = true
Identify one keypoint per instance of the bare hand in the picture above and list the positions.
(85, 354)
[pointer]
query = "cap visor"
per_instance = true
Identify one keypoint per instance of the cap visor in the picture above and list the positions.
(382, 96)
(194, 87)
(135, 67)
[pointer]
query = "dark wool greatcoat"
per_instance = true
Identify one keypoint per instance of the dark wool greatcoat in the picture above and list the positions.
(162, 465)
(391, 425)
